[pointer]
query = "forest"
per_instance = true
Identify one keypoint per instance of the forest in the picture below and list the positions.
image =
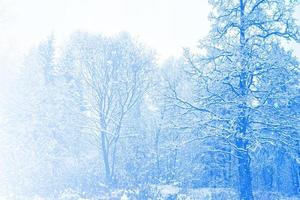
(101, 118)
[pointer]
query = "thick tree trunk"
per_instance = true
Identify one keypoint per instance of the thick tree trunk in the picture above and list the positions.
(244, 170)
(244, 160)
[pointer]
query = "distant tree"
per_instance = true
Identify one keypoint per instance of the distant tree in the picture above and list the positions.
(45, 120)
(114, 70)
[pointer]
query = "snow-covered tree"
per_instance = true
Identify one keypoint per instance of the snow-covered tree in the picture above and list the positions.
(114, 70)
(245, 81)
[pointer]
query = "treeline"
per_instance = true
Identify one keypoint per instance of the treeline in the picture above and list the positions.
(99, 113)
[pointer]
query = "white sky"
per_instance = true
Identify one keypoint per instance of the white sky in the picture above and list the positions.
(164, 25)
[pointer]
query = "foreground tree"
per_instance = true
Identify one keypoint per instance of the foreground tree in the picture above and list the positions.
(246, 80)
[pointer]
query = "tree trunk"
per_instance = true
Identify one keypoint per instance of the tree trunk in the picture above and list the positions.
(295, 172)
(105, 159)
(157, 174)
(244, 170)
(114, 152)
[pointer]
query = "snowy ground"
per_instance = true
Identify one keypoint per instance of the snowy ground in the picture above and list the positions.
(161, 192)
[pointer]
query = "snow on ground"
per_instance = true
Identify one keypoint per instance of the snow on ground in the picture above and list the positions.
(159, 192)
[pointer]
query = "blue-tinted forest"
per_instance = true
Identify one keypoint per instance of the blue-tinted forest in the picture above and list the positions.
(101, 118)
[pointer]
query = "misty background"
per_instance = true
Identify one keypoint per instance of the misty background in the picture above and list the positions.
(146, 76)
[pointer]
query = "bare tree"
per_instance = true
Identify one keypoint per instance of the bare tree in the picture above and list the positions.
(115, 72)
